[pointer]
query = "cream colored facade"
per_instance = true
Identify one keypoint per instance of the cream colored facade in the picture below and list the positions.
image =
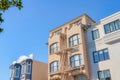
(61, 35)
(110, 41)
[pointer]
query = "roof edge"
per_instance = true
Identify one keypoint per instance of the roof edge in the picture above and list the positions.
(73, 20)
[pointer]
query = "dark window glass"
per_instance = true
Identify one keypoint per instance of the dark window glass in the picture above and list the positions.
(54, 66)
(117, 24)
(96, 56)
(23, 68)
(106, 55)
(112, 26)
(95, 34)
(17, 72)
(104, 75)
(74, 40)
(54, 48)
(107, 29)
(76, 60)
(28, 69)
(100, 55)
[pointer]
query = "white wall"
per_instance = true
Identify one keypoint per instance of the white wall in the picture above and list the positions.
(113, 64)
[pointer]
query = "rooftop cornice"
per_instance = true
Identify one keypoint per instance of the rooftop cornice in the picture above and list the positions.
(71, 21)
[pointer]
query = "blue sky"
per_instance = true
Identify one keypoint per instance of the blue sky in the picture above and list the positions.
(27, 31)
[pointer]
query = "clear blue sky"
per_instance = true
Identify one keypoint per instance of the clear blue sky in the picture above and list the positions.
(27, 31)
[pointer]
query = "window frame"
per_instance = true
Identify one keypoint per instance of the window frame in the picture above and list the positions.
(52, 68)
(73, 62)
(54, 49)
(104, 73)
(108, 27)
(103, 53)
(72, 41)
(28, 70)
(16, 71)
(94, 37)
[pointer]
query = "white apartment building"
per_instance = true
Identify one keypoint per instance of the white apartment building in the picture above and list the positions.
(103, 42)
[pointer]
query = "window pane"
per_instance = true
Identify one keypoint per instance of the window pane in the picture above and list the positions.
(54, 48)
(54, 66)
(107, 29)
(81, 62)
(77, 63)
(106, 55)
(101, 56)
(23, 68)
(107, 73)
(74, 40)
(112, 27)
(71, 39)
(28, 68)
(78, 36)
(76, 57)
(117, 24)
(95, 34)
(72, 64)
(101, 75)
(96, 57)
(76, 60)
(75, 37)
(16, 72)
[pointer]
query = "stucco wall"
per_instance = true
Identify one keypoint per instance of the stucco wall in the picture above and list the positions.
(114, 48)
(39, 71)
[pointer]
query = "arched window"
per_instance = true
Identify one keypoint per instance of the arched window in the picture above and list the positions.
(76, 60)
(54, 48)
(54, 66)
(74, 40)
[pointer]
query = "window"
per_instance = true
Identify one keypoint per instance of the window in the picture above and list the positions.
(104, 75)
(17, 72)
(100, 55)
(74, 40)
(54, 66)
(23, 68)
(112, 26)
(28, 69)
(80, 78)
(95, 34)
(96, 57)
(54, 48)
(76, 60)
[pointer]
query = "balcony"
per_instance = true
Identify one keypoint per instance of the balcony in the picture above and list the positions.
(112, 37)
(55, 73)
(76, 70)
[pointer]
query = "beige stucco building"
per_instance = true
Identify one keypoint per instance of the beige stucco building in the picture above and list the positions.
(68, 58)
